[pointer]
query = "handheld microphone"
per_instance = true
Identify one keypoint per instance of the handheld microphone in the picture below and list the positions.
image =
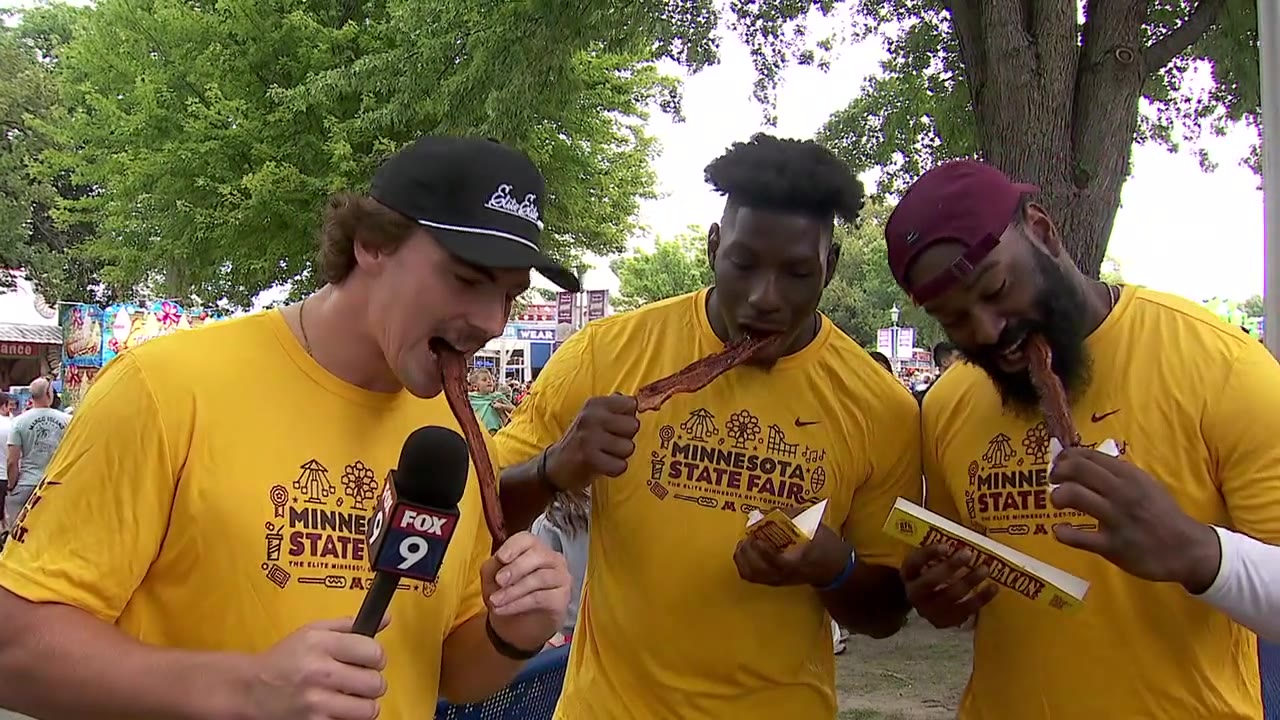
(415, 518)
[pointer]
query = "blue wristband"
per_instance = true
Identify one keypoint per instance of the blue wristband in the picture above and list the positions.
(841, 579)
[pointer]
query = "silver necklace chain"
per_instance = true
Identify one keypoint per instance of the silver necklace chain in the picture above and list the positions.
(302, 326)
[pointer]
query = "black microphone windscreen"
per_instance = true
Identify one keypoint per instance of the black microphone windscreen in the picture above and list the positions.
(433, 467)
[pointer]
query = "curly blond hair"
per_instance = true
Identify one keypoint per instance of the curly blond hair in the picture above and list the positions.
(350, 218)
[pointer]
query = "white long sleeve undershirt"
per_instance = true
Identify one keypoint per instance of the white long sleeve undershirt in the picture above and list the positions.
(1248, 584)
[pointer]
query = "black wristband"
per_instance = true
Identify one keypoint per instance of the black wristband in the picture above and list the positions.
(543, 477)
(504, 648)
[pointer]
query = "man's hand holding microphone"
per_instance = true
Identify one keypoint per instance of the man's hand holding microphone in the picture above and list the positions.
(321, 671)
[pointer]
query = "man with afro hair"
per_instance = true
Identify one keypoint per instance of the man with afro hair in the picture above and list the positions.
(681, 617)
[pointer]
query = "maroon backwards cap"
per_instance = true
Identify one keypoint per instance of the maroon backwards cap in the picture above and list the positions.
(962, 201)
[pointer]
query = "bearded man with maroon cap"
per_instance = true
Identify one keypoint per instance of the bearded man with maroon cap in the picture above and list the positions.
(1161, 531)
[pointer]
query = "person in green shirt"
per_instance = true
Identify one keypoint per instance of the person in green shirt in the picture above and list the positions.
(490, 405)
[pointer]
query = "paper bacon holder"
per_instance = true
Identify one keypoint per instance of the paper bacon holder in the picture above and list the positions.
(783, 532)
(1019, 573)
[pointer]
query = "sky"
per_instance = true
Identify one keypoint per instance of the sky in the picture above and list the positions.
(1179, 229)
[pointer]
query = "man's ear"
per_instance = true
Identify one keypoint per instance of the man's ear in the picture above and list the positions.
(833, 259)
(713, 244)
(1042, 230)
(367, 256)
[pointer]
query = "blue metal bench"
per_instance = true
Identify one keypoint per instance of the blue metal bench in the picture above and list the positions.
(1269, 663)
(531, 696)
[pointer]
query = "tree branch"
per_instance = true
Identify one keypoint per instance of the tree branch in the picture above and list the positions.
(1160, 52)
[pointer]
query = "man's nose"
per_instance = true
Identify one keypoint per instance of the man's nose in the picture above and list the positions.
(490, 317)
(764, 298)
(987, 326)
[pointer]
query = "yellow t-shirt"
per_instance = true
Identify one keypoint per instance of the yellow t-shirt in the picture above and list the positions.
(667, 629)
(1194, 403)
(212, 493)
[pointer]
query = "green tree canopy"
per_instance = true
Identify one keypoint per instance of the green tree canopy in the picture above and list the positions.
(1253, 307)
(212, 132)
(1050, 99)
(672, 268)
(863, 291)
(29, 237)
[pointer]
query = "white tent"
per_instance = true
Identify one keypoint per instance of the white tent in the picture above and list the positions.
(24, 316)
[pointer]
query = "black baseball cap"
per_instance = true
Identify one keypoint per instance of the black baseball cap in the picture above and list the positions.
(480, 199)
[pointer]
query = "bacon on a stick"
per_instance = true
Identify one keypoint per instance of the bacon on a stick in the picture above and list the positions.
(700, 373)
(453, 369)
(1053, 396)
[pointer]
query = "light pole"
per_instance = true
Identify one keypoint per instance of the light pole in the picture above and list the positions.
(1269, 68)
(894, 314)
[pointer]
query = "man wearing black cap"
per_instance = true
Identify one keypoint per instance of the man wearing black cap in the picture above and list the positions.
(1190, 404)
(186, 553)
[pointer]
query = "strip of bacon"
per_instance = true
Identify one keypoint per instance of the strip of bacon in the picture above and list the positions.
(453, 368)
(700, 373)
(1053, 396)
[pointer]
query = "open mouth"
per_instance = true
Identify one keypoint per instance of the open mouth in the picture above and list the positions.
(1015, 353)
(440, 346)
(757, 332)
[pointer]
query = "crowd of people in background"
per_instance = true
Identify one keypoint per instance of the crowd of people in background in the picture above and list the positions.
(918, 380)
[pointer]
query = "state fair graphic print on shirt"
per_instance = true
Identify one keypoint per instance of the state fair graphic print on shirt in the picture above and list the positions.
(735, 464)
(315, 531)
(1008, 488)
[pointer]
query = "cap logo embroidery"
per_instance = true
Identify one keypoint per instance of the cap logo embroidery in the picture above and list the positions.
(912, 237)
(527, 209)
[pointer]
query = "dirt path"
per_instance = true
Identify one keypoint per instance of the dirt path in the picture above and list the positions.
(917, 674)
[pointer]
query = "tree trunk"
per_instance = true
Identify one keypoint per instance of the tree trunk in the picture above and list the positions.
(1056, 112)
(177, 285)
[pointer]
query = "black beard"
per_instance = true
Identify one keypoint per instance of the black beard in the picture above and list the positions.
(1060, 303)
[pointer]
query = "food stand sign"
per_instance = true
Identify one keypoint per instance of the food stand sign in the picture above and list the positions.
(19, 350)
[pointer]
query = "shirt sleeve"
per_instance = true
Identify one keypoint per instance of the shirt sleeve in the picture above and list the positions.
(98, 518)
(894, 473)
(937, 496)
(16, 433)
(1248, 584)
(553, 401)
(1240, 427)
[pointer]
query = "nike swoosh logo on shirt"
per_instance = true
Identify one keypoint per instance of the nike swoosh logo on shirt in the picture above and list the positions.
(1099, 418)
(805, 423)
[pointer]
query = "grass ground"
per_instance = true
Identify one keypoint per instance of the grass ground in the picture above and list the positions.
(917, 674)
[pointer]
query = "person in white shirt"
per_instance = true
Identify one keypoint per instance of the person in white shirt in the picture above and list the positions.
(32, 439)
(6, 421)
(565, 527)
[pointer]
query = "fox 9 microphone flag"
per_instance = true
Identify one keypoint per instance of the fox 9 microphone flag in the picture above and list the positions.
(415, 518)
(409, 540)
